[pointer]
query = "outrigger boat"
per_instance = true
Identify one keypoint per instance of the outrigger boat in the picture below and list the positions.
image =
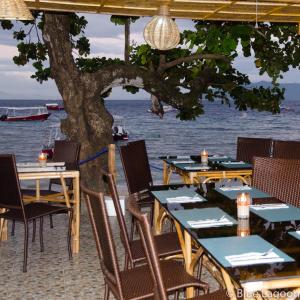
(13, 114)
(54, 106)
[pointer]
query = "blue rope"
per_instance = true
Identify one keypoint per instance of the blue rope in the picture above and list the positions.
(104, 150)
(157, 168)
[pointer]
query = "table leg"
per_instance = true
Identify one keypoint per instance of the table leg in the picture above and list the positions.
(37, 189)
(229, 286)
(3, 227)
(76, 215)
(167, 172)
(188, 261)
(156, 229)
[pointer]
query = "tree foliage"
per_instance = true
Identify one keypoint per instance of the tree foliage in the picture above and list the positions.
(201, 67)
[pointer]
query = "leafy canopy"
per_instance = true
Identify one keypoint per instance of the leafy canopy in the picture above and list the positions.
(201, 66)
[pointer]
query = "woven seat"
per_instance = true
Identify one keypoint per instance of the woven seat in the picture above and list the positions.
(247, 148)
(278, 177)
(286, 149)
(137, 173)
(137, 282)
(11, 201)
(167, 243)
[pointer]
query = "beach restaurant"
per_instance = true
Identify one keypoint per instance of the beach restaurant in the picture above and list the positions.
(230, 229)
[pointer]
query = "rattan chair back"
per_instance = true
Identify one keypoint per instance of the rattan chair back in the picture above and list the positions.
(124, 236)
(104, 239)
(286, 149)
(247, 148)
(68, 152)
(136, 166)
(150, 249)
(10, 193)
(278, 177)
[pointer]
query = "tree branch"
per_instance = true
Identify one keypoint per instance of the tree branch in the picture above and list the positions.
(192, 58)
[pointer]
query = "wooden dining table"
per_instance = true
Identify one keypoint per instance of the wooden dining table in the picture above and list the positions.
(191, 170)
(38, 174)
(276, 229)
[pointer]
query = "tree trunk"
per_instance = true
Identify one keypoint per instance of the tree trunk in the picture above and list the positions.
(88, 122)
(127, 40)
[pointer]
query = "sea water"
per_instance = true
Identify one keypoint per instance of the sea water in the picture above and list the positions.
(216, 130)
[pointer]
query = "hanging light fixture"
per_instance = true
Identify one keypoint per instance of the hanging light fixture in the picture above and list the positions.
(162, 32)
(14, 10)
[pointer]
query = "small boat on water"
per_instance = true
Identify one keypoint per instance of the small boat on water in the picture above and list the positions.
(54, 106)
(166, 108)
(119, 131)
(13, 114)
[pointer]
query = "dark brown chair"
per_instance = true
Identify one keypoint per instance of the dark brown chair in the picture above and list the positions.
(286, 149)
(247, 148)
(138, 174)
(64, 151)
(167, 243)
(135, 283)
(278, 177)
(11, 200)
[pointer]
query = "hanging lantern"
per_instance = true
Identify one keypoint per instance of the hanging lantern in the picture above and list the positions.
(162, 32)
(14, 10)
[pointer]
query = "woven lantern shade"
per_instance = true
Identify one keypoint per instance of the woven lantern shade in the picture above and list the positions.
(162, 32)
(14, 10)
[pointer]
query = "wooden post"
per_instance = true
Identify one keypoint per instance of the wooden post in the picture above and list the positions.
(112, 160)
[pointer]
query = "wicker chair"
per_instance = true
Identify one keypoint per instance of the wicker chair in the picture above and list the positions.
(278, 177)
(135, 283)
(64, 151)
(11, 201)
(167, 243)
(286, 149)
(247, 148)
(138, 174)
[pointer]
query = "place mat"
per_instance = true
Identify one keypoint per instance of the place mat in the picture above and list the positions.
(181, 161)
(240, 245)
(284, 214)
(37, 164)
(232, 193)
(40, 169)
(295, 234)
(190, 192)
(210, 215)
(235, 165)
(219, 158)
(195, 167)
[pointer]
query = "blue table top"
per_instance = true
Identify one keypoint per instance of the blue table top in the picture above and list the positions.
(183, 216)
(238, 245)
(254, 193)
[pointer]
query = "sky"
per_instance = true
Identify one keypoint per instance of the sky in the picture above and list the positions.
(107, 40)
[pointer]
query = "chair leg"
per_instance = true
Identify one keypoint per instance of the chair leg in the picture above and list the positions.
(70, 234)
(51, 221)
(106, 292)
(33, 230)
(132, 227)
(41, 234)
(151, 214)
(25, 247)
(13, 226)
